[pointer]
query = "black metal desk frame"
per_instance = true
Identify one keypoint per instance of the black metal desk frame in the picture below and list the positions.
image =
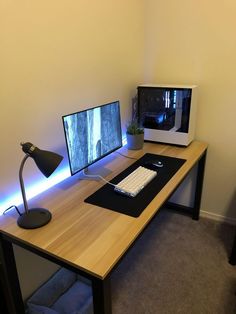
(232, 259)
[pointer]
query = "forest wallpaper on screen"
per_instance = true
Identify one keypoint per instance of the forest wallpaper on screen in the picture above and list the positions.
(92, 134)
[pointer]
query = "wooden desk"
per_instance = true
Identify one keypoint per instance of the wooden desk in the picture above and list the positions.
(87, 239)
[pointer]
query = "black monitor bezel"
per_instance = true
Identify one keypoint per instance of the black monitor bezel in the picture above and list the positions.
(101, 157)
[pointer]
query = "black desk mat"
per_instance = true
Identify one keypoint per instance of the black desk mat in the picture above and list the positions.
(106, 197)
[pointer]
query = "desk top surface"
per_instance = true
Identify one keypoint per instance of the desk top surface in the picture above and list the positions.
(89, 237)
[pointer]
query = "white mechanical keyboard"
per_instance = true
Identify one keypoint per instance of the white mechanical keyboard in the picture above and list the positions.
(135, 181)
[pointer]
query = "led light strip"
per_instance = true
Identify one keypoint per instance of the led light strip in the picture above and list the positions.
(41, 186)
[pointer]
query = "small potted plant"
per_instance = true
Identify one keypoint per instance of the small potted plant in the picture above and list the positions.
(134, 135)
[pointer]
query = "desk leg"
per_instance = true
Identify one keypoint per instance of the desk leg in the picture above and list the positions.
(195, 209)
(232, 259)
(9, 279)
(199, 185)
(101, 296)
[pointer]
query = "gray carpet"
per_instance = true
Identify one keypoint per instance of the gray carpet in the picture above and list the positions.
(178, 265)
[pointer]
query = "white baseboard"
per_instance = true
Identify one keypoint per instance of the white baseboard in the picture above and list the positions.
(217, 217)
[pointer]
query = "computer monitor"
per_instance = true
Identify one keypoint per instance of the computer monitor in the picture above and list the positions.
(92, 134)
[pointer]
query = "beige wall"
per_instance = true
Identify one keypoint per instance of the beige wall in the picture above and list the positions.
(58, 57)
(61, 56)
(190, 41)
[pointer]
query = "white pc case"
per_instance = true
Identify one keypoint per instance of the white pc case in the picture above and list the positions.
(168, 113)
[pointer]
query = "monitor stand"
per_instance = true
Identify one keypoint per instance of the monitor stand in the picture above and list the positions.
(94, 174)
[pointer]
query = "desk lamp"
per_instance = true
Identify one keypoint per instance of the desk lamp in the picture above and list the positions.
(47, 162)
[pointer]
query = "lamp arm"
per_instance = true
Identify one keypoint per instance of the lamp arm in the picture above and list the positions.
(22, 183)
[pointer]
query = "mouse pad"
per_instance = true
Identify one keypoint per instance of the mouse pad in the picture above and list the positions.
(106, 197)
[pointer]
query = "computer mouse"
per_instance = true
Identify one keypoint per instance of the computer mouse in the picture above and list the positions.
(154, 163)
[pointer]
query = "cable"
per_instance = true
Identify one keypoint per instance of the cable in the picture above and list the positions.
(97, 176)
(16, 208)
(126, 156)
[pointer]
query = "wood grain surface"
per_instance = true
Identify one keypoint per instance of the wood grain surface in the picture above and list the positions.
(89, 237)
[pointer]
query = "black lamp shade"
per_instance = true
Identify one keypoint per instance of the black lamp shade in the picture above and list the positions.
(46, 161)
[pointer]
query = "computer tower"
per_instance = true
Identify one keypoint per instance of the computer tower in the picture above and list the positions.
(167, 113)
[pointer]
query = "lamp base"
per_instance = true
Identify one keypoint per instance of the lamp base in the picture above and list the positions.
(34, 218)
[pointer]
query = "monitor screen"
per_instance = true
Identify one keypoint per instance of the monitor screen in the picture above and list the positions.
(92, 134)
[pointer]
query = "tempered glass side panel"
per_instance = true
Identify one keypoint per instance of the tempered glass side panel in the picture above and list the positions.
(166, 109)
(92, 134)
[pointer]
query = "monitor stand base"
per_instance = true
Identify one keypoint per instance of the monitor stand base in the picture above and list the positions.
(94, 174)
